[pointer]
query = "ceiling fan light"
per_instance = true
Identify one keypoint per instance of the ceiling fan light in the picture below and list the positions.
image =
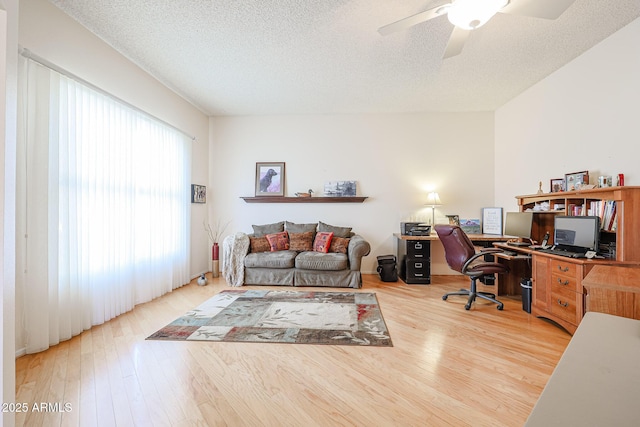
(471, 14)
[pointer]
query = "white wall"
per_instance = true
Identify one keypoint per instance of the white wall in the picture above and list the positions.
(582, 117)
(395, 159)
(52, 35)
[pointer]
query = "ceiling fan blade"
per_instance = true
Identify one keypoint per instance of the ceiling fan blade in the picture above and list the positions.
(412, 20)
(546, 9)
(456, 42)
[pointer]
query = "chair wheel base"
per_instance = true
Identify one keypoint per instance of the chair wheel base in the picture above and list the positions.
(467, 306)
(444, 297)
(500, 307)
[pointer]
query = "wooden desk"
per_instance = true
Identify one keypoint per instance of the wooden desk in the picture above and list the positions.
(519, 268)
(558, 292)
(414, 254)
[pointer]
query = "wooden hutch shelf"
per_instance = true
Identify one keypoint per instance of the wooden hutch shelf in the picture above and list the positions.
(627, 201)
(280, 199)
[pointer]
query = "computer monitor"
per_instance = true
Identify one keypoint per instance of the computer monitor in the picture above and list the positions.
(576, 233)
(518, 224)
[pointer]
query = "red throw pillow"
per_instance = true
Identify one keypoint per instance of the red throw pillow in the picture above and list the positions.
(322, 242)
(278, 241)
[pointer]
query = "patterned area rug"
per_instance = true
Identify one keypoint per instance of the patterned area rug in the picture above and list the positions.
(338, 318)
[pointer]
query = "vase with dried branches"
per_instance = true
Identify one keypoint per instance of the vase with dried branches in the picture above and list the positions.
(215, 233)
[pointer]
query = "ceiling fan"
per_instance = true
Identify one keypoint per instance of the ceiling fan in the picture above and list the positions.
(467, 15)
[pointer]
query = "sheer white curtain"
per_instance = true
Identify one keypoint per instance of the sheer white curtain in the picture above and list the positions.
(105, 203)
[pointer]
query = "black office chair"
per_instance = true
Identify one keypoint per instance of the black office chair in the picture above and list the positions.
(461, 256)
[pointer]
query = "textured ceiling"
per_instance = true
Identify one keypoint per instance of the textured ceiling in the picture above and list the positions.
(231, 57)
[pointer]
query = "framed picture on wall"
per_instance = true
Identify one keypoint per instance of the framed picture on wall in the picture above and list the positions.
(198, 193)
(270, 179)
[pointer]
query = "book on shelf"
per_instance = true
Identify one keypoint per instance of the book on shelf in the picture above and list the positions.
(606, 210)
(574, 210)
(613, 222)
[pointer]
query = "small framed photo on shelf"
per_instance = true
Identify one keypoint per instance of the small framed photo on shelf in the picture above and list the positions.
(340, 188)
(270, 179)
(557, 185)
(198, 193)
(492, 221)
(574, 181)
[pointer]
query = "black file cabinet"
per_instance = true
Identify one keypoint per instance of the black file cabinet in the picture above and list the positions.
(415, 261)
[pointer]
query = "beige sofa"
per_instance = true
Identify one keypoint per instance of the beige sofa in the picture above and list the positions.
(289, 254)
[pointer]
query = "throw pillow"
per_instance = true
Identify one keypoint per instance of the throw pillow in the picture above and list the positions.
(299, 228)
(339, 245)
(301, 241)
(322, 242)
(263, 230)
(259, 244)
(337, 231)
(278, 241)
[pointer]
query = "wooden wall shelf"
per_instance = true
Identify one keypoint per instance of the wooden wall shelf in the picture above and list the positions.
(279, 199)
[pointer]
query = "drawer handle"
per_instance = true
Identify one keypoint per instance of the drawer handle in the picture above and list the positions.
(563, 304)
(565, 283)
(418, 274)
(563, 269)
(418, 255)
(418, 246)
(418, 265)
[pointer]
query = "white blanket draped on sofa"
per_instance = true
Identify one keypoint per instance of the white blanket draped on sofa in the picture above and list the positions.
(234, 249)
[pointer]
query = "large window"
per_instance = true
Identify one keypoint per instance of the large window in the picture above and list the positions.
(105, 206)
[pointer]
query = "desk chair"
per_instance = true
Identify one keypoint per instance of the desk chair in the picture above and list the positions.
(460, 255)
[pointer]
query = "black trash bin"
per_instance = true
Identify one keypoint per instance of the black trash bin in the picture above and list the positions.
(527, 286)
(387, 268)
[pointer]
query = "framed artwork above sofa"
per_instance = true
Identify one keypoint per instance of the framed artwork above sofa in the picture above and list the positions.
(270, 179)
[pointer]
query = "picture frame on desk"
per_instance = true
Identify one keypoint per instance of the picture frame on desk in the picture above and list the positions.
(557, 185)
(573, 181)
(454, 219)
(492, 221)
(470, 226)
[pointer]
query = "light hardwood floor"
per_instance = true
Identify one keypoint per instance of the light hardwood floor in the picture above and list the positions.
(448, 366)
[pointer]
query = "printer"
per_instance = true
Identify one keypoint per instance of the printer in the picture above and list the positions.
(415, 229)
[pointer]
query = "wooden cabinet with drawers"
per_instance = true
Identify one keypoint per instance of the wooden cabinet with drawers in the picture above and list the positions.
(557, 289)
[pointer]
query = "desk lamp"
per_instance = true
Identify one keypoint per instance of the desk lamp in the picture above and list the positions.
(433, 200)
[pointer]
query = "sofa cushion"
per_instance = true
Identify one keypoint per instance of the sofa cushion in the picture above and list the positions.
(299, 228)
(301, 241)
(322, 242)
(320, 261)
(278, 241)
(262, 230)
(339, 244)
(279, 259)
(337, 231)
(259, 244)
